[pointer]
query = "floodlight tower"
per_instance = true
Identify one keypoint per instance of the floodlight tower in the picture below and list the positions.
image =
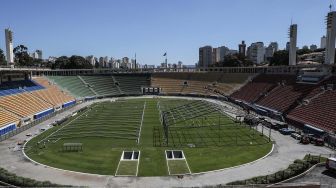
(292, 44)
(331, 36)
(9, 46)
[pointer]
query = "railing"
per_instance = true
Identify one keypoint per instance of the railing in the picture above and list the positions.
(253, 69)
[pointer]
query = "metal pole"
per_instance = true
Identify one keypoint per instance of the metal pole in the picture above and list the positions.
(269, 135)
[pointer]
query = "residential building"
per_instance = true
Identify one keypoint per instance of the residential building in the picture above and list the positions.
(256, 52)
(287, 46)
(205, 56)
(242, 48)
(323, 42)
(313, 47)
(274, 45)
(223, 51)
(91, 59)
(269, 51)
(179, 64)
(215, 55)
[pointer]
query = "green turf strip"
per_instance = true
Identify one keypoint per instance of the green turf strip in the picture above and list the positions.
(178, 167)
(127, 168)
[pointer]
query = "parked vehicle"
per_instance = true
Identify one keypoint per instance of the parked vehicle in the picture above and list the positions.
(296, 136)
(313, 139)
(331, 163)
(286, 131)
(304, 140)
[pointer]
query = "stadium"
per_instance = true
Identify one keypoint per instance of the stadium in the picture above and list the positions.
(165, 127)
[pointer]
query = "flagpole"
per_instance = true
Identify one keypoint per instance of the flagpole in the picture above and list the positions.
(135, 63)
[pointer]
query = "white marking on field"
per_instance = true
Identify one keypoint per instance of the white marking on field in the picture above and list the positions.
(122, 159)
(63, 126)
(115, 174)
(165, 153)
(176, 159)
(137, 170)
(143, 114)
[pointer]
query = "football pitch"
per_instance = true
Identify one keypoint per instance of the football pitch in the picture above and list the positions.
(130, 138)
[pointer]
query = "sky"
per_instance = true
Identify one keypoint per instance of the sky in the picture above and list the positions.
(149, 28)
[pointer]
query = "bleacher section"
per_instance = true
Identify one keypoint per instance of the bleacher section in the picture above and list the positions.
(132, 84)
(318, 110)
(72, 84)
(199, 83)
(283, 97)
(14, 87)
(6, 120)
(311, 104)
(102, 85)
(258, 87)
(24, 104)
(51, 94)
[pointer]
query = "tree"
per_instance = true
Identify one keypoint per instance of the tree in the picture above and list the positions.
(22, 57)
(304, 51)
(60, 62)
(234, 60)
(74, 62)
(2, 58)
(79, 62)
(280, 57)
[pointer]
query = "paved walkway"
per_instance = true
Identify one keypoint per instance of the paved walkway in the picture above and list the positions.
(286, 150)
(319, 174)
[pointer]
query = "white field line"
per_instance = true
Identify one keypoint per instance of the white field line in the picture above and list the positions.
(64, 126)
(165, 153)
(122, 154)
(185, 158)
(178, 159)
(143, 114)
(121, 159)
(137, 170)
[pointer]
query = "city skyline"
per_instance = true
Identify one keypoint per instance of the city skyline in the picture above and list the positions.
(153, 30)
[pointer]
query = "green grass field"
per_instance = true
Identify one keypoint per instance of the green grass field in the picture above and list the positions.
(127, 168)
(107, 129)
(177, 167)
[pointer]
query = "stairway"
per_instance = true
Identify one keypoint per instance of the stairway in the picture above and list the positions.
(114, 81)
(87, 84)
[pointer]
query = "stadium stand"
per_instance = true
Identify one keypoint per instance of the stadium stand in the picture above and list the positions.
(7, 120)
(14, 87)
(199, 83)
(258, 87)
(24, 104)
(318, 110)
(72, 84)
(51, 94)
(168, 85)
(132, 84)
(298, 102)
(102, 85)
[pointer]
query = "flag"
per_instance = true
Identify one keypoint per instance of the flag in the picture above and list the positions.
(165, 54)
